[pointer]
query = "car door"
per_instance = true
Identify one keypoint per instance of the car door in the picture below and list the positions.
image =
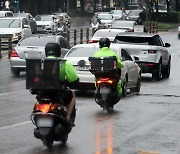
(26, 28)
(131, 68)
(163, 50)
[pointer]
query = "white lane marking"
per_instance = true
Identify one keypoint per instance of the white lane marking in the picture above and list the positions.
(15, 125)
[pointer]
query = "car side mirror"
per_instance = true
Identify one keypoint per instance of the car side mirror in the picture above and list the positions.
(136, 58)
(167, 45)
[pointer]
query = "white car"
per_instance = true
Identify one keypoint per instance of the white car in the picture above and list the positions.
(109, 33)
(124, 24)
(79, 54)
(4, 14)
(18, 28)
(117, 14)
(150, 52)
(106, 20)
(46, 23)
(179, 31)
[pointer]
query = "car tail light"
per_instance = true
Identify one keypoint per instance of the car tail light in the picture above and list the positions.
(150, 64)
(152, 51)
(14, 53)
(130, 30)
(104, 80)
(93, 41)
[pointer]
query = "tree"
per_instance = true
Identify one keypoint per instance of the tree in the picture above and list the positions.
(168, 3)
(82, 5)
(177, 6)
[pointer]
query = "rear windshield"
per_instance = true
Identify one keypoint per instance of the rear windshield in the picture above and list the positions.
(85, 51)
(36, 41)
(106, 34)
(82, 52)
(134, 40)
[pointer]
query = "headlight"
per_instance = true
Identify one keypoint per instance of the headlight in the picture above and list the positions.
(15, 34)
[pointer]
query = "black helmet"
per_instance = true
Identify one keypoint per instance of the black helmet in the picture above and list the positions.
(104, 42)
(53, 49)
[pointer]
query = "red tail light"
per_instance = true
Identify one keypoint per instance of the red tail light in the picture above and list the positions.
(36, 79)
(130, 30)
(152, 51)
(104, 80)
(45, 107)
(14, 53)
(150, 64)
(93, 41)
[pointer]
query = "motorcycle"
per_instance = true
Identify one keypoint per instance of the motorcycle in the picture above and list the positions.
(49, 112)
(106, 79)
(49, 117)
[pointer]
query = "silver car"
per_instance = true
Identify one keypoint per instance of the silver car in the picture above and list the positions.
(33, 47)
(130, 74)
(46, 23)
(109, 33)
(124, 24)
(150, 52)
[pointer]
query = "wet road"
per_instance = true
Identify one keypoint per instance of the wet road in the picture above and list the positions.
(140, 123)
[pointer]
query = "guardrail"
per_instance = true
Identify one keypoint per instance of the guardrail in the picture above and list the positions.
(79, 36)
(151, 27)
(6, 43)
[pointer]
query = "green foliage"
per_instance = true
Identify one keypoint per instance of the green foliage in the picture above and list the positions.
(166, 26)
(77, 13)
(166, 17)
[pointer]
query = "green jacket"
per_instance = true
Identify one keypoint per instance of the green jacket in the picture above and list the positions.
(67, 71)
(106, 52)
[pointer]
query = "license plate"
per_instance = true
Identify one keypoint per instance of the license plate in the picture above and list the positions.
(85, 68)
(44, 122)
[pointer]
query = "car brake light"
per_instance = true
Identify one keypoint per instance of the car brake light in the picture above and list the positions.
(152, 51)
(14, 53)
(93, 41)
(150, 64)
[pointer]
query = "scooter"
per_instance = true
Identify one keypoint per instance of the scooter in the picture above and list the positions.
(49, 117)
(106, 76)
(49, 112)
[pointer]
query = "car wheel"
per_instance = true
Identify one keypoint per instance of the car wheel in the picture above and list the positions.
(124, 88)
(157, 74)
(166, 71)
(138, 84)
(178, 36)
(15, 72)
(35, 31)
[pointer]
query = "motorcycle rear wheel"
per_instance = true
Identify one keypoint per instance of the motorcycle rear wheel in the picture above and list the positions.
(48, 143)
(64, 139)
(107, 107)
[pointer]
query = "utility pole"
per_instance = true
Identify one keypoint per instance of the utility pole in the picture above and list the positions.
(67, 5)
